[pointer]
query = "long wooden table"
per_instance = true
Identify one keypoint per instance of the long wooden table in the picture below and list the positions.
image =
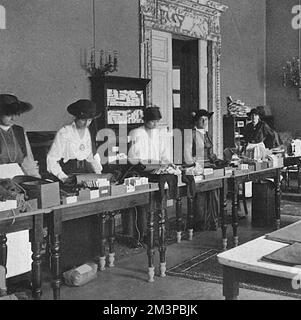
(245, 260)
(105, 208)
(234, 182)
(32, 221)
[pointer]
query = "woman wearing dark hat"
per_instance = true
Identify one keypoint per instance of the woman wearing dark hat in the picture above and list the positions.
(148, 146)
(198, 146)
(73, 150)
(15, 148)
(148, 143)
(14, 144)
(255, 134)
(198, 150)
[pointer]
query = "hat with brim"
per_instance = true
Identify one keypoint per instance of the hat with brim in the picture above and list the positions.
(254, 111)
(201, 113)
(83, 109)
(11, 105)
(152, 113)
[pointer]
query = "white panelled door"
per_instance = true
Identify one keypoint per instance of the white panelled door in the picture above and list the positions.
(162, 75)
(162, 83)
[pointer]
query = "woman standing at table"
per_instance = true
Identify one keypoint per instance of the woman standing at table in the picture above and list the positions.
(256, 133)
(15, 148)
(198, 150)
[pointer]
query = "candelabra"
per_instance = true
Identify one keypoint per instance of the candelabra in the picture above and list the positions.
(291, 73)
(291, 76)
(99, 62)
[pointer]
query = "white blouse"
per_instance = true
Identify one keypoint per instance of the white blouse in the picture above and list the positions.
(149, 145)
(68, 145)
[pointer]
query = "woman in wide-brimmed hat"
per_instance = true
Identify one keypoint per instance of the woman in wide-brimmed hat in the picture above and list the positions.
(15, 148)
(198, 147)
(148, 144)
(14, 144)
(198, 150)
(73, 150)
(256, 134)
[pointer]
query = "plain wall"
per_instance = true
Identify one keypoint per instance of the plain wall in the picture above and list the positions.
(40, 52)
(243, 52)
(282, 45)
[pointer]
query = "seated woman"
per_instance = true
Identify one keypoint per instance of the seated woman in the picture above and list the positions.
(14, 144)
(15, 148)
(147, 143)
(73, 150)
(198, 150)
(149, 147)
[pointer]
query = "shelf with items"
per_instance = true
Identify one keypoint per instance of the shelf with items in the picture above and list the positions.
(122, 101)
(233, 128)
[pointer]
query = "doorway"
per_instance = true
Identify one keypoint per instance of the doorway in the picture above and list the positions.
(185, 88)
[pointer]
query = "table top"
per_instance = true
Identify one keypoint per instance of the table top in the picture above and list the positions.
(247, 257)
(257, 172)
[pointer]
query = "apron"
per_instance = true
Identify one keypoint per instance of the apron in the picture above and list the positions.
(256, 151)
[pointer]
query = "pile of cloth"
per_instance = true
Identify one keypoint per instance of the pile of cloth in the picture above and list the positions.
(237, 108)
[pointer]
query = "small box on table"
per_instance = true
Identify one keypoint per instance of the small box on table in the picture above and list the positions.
(228, 171)
(208, 173)
(69, 199)
(104, 191)
(218, 173)
(48, 194)
(117, 190)
(261, 166)
(198, 178)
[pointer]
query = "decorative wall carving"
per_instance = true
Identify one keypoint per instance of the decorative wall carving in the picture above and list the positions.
(194, 18)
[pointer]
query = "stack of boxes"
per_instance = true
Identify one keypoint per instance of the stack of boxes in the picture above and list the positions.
(101, 189)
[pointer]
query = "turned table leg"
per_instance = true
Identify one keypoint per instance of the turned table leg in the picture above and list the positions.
(55, 235)
(162, 231)
(190, 207)
(179, 217)
(223, 206)
(150, 238)
(3, 250)
(277, 199)
(111, 239)
(36, 239)
(102, 251)
(234, 195)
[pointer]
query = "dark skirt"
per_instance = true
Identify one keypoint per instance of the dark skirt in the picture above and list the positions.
(206, 211)
(76, 166)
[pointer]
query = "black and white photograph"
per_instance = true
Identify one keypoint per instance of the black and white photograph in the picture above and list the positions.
(150, 153)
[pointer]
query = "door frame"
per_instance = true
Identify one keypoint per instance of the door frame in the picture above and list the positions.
(195, 19)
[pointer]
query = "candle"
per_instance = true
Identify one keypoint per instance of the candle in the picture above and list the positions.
(115, 60)
(101, 58)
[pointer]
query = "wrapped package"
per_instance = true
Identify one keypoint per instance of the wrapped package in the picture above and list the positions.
(81, 275)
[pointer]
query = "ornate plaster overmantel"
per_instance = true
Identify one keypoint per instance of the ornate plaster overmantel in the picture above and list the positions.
(198, 19)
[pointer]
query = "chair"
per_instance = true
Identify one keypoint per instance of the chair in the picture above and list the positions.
(291, 166)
